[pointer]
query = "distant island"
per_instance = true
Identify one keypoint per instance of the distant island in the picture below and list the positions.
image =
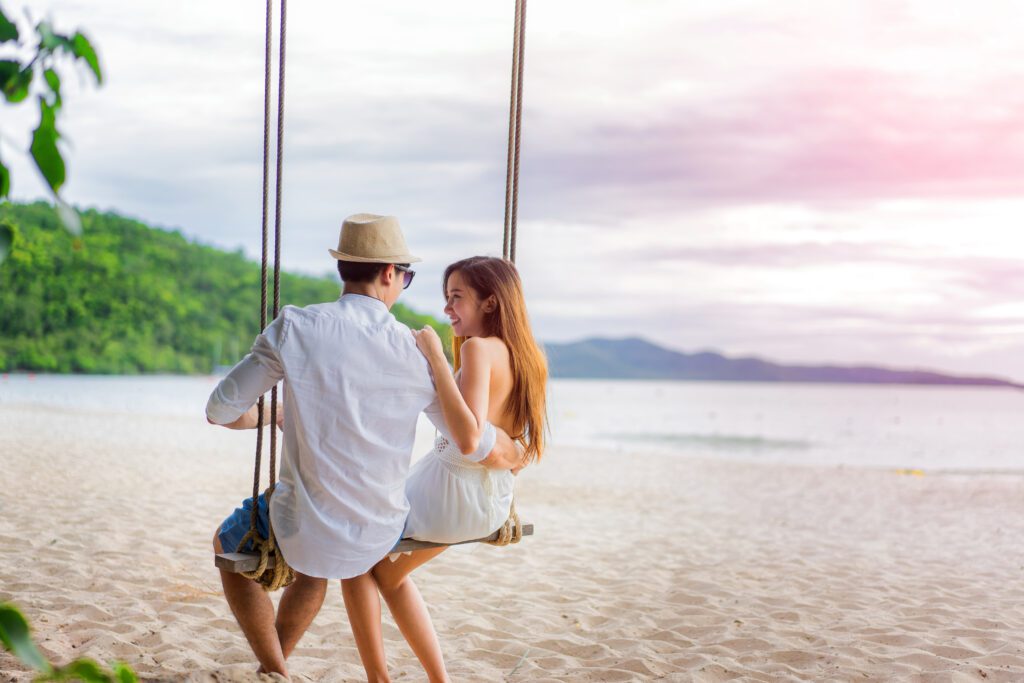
(635, 358)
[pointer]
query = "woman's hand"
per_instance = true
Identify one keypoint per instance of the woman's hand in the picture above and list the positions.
(429, 344)
(521, 452)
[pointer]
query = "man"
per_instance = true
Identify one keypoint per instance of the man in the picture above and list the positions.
(355, 386)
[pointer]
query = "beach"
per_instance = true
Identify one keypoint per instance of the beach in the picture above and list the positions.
(643, 566)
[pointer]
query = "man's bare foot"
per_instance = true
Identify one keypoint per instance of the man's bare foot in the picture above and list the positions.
(263, 672)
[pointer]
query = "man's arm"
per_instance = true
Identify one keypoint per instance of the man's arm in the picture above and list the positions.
(249, 419)
(232, 403)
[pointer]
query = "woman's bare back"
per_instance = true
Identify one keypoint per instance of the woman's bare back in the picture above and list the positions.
(500, 387)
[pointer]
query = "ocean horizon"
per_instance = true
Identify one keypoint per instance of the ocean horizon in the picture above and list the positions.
(853, 425)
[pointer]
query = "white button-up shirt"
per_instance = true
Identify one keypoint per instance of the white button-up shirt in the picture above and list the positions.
(354, 386)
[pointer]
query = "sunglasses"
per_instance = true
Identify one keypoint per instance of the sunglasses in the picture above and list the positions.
(408, 273)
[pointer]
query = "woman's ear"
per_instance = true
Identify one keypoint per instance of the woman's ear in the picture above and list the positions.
(491, 304)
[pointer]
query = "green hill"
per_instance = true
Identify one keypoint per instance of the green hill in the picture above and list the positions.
(126, 298)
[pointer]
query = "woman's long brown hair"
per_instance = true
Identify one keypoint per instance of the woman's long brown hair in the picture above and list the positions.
(489, 276)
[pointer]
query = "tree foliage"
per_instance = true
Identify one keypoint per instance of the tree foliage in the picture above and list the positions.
(125, 298)
(38, 63)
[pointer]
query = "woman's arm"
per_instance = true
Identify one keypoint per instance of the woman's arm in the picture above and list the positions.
(464, 405)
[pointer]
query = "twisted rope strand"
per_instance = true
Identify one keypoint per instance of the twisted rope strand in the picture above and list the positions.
(512, 530)
(519, 128)
(512, 127)
(266, 548)
(277, 228)
(263, 265)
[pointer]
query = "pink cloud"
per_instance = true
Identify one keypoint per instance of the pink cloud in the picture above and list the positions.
(835, 135)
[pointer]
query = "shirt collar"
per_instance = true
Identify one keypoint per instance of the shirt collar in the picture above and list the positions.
(364, 301)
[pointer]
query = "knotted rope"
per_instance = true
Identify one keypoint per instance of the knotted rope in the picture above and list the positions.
(512, 530)
(280, 574)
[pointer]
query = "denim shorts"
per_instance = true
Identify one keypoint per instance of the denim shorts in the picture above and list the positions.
(236, 526)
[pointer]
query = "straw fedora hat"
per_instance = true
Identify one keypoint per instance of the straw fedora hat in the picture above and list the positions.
(369, 238)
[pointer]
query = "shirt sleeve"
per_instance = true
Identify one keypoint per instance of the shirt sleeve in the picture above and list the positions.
(488, 435)
(251, 377)
(436, 416)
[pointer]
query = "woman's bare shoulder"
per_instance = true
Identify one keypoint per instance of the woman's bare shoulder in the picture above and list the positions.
(490, 351)
(482, 343)
(490, 346)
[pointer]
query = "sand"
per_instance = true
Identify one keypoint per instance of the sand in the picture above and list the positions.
(643, 566)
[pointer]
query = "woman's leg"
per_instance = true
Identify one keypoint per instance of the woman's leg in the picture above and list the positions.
(363, 606)
(409, 610)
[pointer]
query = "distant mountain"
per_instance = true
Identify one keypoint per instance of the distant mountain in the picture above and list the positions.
(636, 358)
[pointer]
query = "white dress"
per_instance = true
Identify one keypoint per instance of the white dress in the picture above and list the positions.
(452, 499)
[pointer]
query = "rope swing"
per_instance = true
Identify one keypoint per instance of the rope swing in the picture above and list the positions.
(265, 563)
(272, 571)
(512, 530)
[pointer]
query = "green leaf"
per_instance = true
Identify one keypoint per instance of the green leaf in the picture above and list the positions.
(8, 31)
(5, 181)
(15, 635)
(82, 48)
(8, 69)
(123, 674)
(44, 147)
(83, 669)
(19, 91)
(14, 80)
(53, 80)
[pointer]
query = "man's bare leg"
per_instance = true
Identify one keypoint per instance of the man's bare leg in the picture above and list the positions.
(363, 606)
(300, 603)
(254, 612)
(410, 611)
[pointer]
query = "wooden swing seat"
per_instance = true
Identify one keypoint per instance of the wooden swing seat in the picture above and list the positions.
(237, 563)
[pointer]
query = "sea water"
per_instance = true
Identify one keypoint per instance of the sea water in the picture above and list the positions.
(839, 424)
(960, 428)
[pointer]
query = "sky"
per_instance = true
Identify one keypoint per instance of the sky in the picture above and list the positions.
(830, 181)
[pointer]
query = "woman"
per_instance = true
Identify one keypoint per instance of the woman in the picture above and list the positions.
(502, 380)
